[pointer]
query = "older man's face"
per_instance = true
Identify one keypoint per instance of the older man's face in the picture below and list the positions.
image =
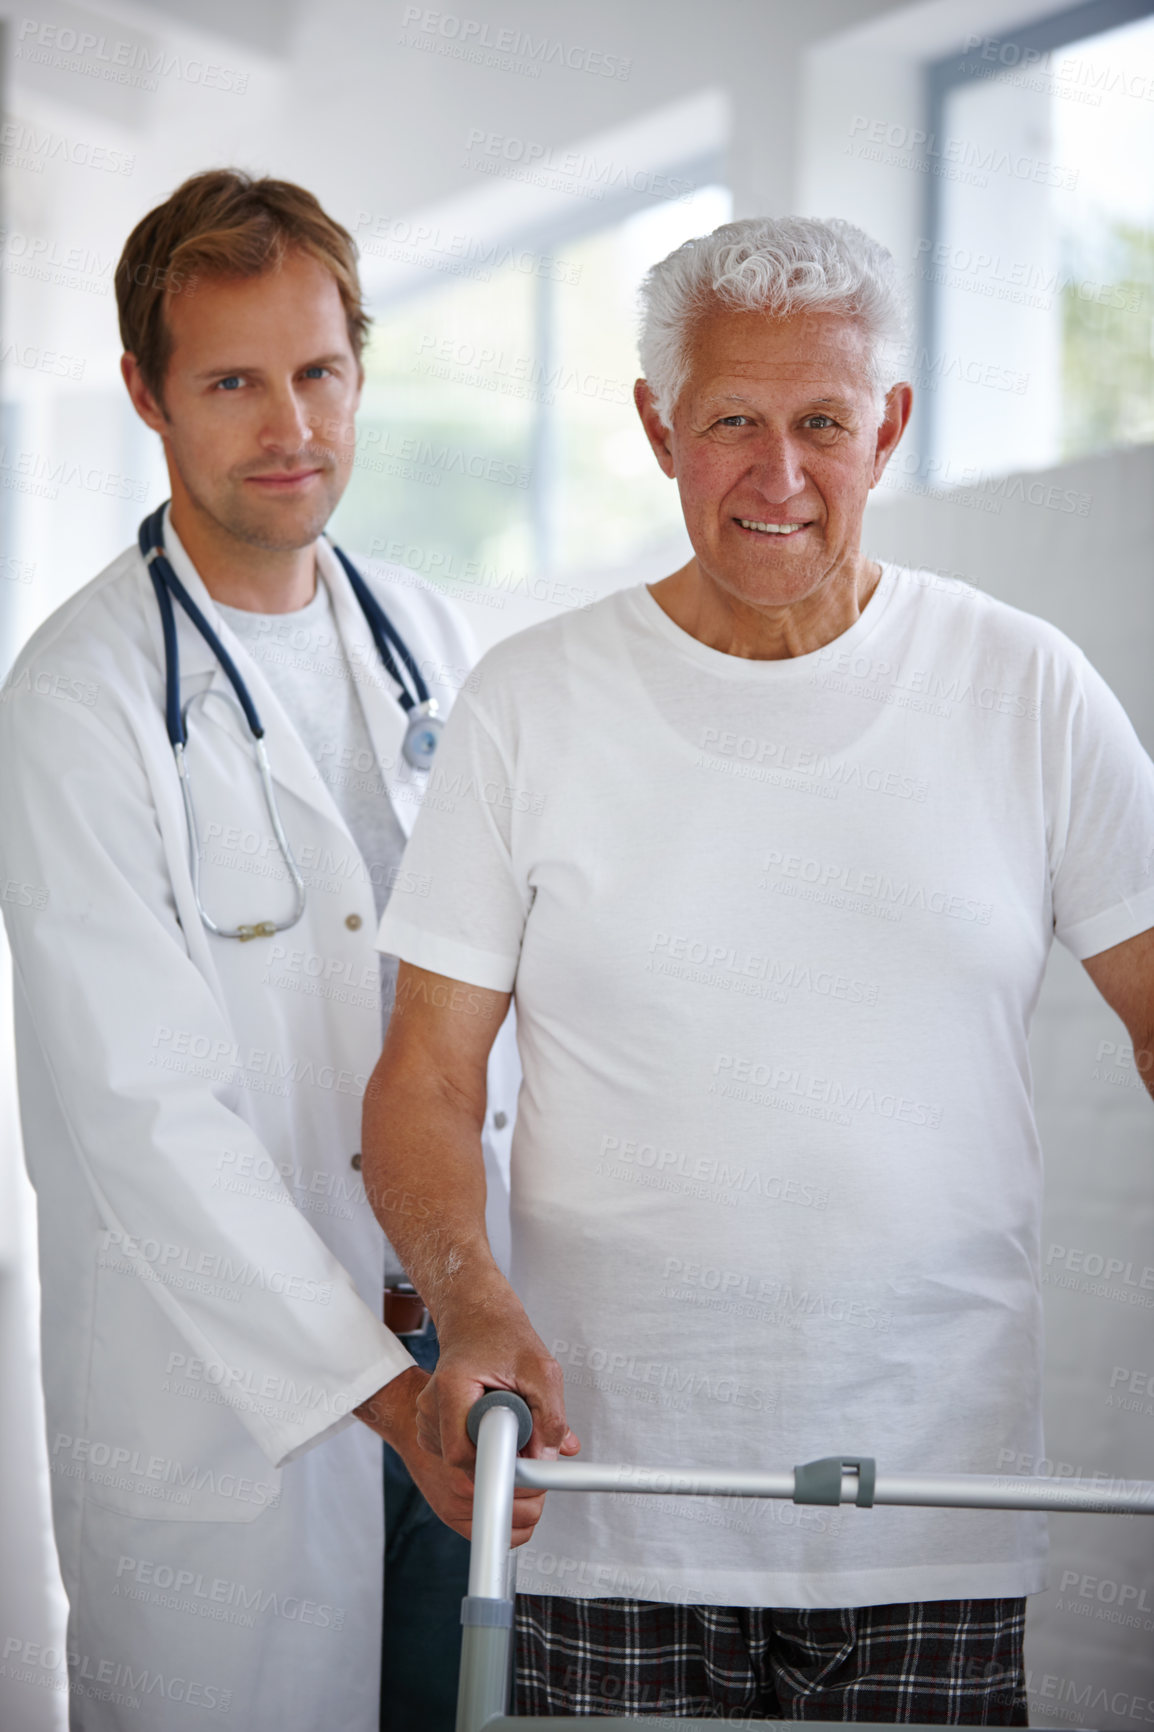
(775, 445)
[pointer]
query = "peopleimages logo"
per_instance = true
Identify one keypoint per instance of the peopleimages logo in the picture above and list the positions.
(1003, 57)
(741, 1078)
(727, 749)
(925, 149)
(455, 250)
(115, 1681)
(225, 1060)
(1095, 1263)
(216, 1592)
(1021, 282)
(506, 47)
(52, 473)
(158, 1475)
(574, 170)
(118, 61)
(25, 145)
(731, 965)
(148, 1256)
(615, 1372)
(894, 895)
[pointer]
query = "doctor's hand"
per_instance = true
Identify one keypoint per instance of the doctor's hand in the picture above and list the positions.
(489, 1343)
(391, 1413)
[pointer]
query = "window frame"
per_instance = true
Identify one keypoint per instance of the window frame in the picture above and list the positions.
(550, 237)
(944, 76)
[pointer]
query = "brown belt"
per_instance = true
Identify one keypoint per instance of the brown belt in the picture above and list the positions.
(405, 1311)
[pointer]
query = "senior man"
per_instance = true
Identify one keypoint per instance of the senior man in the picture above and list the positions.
(772, 854)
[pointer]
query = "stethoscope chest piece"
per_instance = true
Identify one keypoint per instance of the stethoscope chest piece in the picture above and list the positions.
(423, 735)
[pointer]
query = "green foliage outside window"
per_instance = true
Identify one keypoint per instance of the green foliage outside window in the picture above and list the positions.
(1108, 343)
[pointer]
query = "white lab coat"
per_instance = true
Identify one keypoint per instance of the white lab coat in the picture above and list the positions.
(211, 1270)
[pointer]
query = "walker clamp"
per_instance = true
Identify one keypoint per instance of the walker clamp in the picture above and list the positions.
(482, 1614)
(820, 1481)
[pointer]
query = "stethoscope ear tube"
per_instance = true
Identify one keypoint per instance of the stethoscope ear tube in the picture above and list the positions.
(166, 584)
(173, 720)
(385, 633)
(422, 732)
(152, 548)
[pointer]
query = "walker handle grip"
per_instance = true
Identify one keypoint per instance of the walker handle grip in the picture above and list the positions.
(501, 1398)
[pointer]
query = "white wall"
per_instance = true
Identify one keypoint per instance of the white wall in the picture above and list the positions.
(1090, 575)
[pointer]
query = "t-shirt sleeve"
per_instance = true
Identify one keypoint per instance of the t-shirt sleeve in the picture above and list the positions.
(1103, 834)
(458, 908)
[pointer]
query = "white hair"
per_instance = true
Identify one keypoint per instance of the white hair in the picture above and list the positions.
(779, 266)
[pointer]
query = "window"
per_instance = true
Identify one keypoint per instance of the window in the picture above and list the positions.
(445, 431)
(498, 439)
(603, 498)
(1037, 340)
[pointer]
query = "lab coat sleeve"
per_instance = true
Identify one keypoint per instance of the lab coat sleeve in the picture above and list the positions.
(104, 969)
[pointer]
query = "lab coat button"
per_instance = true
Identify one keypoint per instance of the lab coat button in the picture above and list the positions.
(355, 1162)
(353, 922)
(500, 1120)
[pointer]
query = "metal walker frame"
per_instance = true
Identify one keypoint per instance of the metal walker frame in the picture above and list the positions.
(500, 1424)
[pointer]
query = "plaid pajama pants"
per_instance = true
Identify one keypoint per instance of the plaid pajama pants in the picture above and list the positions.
(937, 1662)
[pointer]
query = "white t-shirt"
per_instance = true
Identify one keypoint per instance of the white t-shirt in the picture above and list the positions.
(305, 662)
(776, 931)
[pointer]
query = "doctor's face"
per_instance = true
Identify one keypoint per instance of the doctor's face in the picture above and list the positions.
(259, 400)
(775, 446)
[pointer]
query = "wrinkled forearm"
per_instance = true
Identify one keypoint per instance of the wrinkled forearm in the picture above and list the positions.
(424, 1176)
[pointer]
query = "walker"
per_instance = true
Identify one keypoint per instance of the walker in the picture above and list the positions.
(500, 1424)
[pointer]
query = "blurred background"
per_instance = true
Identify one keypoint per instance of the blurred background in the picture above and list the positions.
(509, 171)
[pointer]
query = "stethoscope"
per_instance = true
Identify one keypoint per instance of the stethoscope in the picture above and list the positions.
(421, 734)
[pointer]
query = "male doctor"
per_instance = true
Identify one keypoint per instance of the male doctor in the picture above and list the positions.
(217, 1374)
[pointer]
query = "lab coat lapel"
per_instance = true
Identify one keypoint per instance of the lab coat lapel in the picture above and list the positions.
(291, 765)
(384, 716)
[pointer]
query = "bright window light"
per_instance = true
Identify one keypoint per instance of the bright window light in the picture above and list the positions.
(1043, 312)
(498, 438)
